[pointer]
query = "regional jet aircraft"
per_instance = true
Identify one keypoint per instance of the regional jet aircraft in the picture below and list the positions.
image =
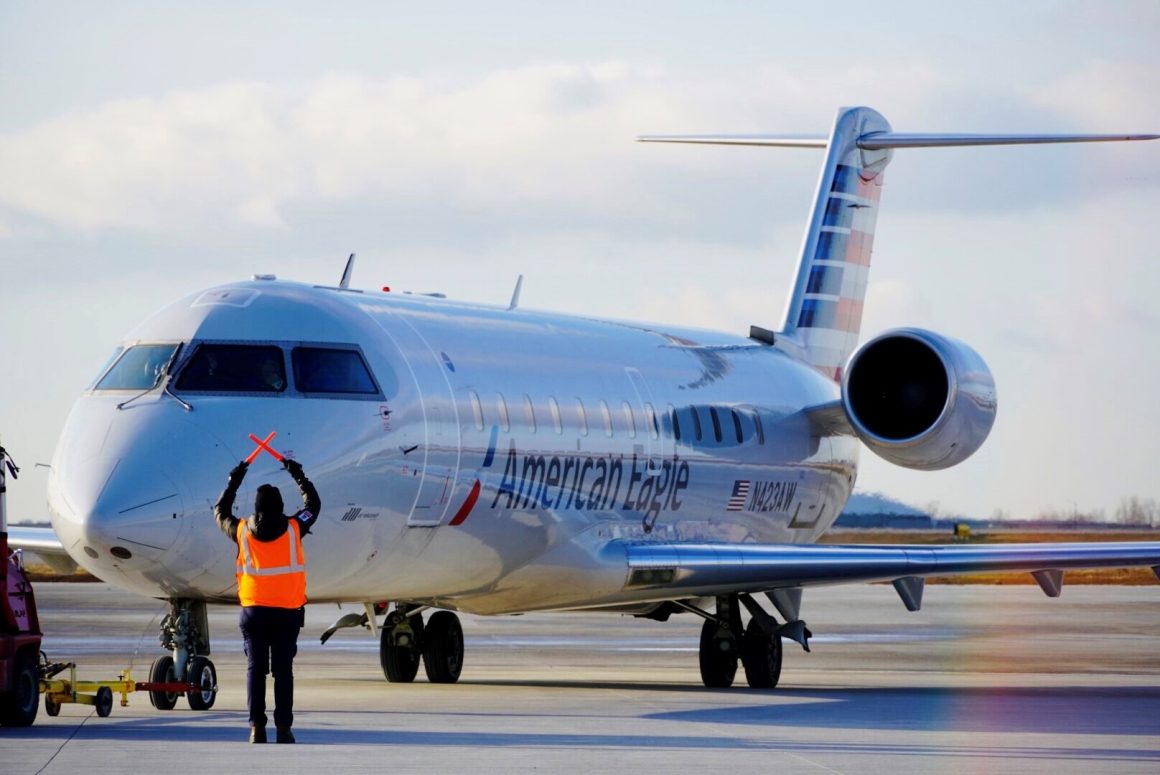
(499, 460)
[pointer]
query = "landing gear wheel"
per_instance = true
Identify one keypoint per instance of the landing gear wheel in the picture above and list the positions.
(18, 708)
(50, 707)
(399, 651)
(163, 672)
(443, 648)
(761, 657)
(718, 657)
(104, 701)
(203, 675)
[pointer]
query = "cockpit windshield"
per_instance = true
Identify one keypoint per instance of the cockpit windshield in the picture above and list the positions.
(140, 367)
(234, 368)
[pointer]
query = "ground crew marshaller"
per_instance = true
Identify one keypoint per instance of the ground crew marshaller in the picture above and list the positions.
(272, 591)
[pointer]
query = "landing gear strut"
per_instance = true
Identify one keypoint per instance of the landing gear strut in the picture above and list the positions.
(185, 633)
(404, 640)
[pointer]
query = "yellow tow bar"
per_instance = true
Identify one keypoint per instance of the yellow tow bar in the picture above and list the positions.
(58, 691)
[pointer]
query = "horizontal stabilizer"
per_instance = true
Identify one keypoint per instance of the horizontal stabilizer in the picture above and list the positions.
(879, 141)
(781, 141)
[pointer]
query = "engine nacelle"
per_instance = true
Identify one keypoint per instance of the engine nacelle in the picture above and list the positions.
(919, 399)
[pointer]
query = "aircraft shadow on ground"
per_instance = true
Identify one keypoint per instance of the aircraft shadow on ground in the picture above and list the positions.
(1121, 710)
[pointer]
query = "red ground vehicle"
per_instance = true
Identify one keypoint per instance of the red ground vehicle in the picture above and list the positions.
(20, 634)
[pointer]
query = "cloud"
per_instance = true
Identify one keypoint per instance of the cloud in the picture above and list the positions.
(247, 154)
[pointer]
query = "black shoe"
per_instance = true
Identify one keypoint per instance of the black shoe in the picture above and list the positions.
(257, 734)
(284, 735)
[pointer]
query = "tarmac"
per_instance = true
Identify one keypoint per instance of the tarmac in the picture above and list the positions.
(982, 679)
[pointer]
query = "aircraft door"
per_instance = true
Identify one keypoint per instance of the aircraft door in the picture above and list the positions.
(436, 450)
(653, 434)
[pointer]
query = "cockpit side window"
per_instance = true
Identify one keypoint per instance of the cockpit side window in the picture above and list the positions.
(234, 368)
(331, 370)
(140, 367)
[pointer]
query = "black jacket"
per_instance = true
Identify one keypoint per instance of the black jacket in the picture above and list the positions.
(268, 526)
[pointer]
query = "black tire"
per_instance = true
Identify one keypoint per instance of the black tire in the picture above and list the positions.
(443, 648)
(201, 673)
(163, 672)
(104, 701)
(19, 706)
(718, 657)
(761, 657)
(401, 661)
(50, 707)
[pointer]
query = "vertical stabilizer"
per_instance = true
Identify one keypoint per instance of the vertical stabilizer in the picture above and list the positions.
(824, 312)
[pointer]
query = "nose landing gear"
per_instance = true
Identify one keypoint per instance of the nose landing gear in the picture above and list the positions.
(185, 633)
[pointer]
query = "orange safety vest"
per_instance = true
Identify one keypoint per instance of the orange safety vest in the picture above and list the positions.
(272, 573)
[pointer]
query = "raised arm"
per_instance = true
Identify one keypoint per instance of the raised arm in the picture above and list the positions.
(311, 503)
(224, 508)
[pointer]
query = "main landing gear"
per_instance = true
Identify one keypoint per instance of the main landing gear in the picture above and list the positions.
(404, 640)
(757, 646)
(185, 634)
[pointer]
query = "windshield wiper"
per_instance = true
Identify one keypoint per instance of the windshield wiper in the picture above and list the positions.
(162, 374)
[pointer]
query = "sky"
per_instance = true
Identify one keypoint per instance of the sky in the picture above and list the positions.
(149, 150)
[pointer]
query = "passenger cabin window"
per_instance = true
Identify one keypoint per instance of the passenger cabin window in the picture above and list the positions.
(582, 416)
(716, 423)
(757, 427)
(529, 413)
(235, 368)
(554, 410)
(139, 368)
(675, 422)
(476, 410)
(606, 416)
(331, 370)
(629, 420)
(736, 425)
(501, 409)
(697, 434)
(650, 418)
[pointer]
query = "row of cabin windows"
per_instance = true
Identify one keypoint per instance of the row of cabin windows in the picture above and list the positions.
(682, 424)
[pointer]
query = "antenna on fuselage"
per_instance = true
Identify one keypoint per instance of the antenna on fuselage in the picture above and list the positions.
(344, 283)
(516, 293)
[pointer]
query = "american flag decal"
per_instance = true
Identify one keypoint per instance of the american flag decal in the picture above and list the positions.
(740, 495)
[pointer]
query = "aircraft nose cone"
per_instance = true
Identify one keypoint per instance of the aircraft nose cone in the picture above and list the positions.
(119, 509)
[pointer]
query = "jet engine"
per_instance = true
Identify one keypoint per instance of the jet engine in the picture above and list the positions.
(919, 399)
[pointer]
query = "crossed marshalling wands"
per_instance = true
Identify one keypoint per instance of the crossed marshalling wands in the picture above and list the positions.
(264, 445)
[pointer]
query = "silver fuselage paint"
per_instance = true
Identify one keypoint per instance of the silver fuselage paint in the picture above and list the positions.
(431, 493)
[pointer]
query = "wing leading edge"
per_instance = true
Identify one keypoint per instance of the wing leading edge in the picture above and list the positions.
(716, 569)
(45, 544)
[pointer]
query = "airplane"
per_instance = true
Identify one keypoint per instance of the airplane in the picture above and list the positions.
(492, 459)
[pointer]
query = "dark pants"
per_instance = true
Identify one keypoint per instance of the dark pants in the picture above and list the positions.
(270, 636)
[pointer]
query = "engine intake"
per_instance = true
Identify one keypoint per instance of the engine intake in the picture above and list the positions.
(919, 399)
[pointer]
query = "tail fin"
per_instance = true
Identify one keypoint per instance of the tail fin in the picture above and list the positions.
(824, 311)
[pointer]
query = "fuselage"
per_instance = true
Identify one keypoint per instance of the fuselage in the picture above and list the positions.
(474, 457)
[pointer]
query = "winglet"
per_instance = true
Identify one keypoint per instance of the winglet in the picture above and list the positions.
(1050, 581)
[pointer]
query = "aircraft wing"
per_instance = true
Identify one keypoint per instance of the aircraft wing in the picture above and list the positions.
(707, 569)
(44, 543)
